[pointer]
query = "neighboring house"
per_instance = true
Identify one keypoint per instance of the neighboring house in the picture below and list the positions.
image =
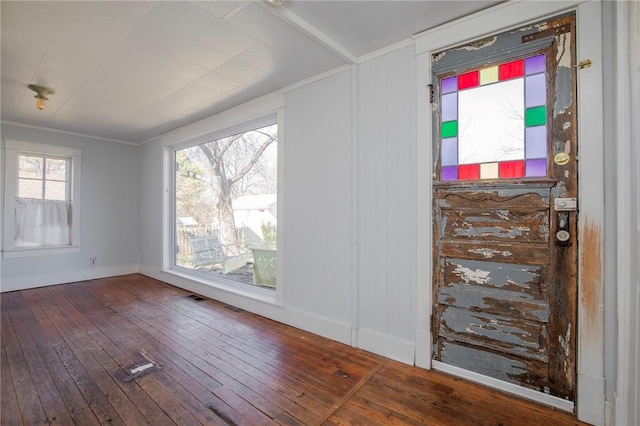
(254, 211)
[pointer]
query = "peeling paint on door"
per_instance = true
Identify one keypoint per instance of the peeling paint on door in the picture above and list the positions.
(505, 290)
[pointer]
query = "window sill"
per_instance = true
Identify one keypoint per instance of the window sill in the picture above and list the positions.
(39, 251)
(220, 283)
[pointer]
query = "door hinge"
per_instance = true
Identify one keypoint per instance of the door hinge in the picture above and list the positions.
(430, 86)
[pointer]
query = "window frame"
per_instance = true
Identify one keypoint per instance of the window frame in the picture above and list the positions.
(14, 148)
(220, 282)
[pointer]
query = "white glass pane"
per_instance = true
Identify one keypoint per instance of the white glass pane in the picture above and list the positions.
(30, 167)
(30, 188)
(56, 169)
(491, 123)
(54, 190)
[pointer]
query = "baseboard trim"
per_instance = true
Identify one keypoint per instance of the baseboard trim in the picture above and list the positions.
(266, 307)
(42, 280)
(383, 344)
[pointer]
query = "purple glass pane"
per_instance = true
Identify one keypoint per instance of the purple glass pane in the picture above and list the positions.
(535, 91)
(449, 84)
(449, 173)
(450, 152)
(450, 107)
(536, 168)
(536, 142)
(534, 65)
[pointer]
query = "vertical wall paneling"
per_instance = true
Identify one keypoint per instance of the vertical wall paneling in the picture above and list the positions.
(627, 212)
(317, 179)
(355, 225)
(386, 208)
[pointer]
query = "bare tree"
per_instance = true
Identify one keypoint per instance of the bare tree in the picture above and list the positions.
(230, 161)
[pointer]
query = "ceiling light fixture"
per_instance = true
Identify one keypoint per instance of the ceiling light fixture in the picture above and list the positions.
(275, 2)
(41, 94)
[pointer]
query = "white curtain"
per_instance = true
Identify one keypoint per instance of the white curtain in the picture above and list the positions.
(42, 222)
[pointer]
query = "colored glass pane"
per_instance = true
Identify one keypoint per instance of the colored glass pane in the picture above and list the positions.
(449, 85)
(488, 75)
(469, 171)
(535, 91)
(536, 142)
(449, 107)
(449, 129)
(468, 80)
(489, 171)
(449, 173)
(449, 152)
(511, 169)
(537, 168)
(511, 70)
(536, 116)
(535, 64)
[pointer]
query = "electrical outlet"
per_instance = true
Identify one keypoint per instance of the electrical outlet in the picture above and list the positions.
(93, 261)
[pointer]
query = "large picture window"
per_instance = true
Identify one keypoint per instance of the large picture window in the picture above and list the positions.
(226, 207)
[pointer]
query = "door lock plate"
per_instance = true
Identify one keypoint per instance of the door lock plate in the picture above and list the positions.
(565, 204)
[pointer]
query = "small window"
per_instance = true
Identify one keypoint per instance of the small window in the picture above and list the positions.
(41, 199)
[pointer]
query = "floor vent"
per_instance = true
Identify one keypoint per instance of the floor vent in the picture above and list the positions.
(233, 308)
(196, 297)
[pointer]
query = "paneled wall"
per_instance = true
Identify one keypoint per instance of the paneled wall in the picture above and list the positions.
(387, 204)
(318, 197)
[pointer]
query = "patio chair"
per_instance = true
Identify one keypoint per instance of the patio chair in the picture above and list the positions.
(251, 239)
(209, 251)
(265, 266)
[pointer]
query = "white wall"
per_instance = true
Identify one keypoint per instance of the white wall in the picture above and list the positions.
(387, 204)
(109, 215)
(317, 198)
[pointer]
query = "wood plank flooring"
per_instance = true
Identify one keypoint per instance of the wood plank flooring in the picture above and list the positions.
(67, 352)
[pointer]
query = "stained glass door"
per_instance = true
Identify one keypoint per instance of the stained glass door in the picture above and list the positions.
(505, 232)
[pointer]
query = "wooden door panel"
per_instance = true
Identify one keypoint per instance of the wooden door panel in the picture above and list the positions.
(504, 285)
(498, 365)
(515, 304)
(519, 277)
(504, 252)
(525, 339)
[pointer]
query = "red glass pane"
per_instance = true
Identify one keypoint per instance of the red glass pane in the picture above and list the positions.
(511, 70)
(470, 79)
(468, 171)
(511, 169)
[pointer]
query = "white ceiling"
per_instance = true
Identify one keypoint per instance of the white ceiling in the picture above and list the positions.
(129, 71)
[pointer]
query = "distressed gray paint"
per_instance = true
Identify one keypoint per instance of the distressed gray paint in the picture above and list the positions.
(487, 299)
(482, 362)
(525, 277)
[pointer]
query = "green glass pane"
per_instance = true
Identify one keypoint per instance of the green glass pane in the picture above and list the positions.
(535, 116)
(450, 129)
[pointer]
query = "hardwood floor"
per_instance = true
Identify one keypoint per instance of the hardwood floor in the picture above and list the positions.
(68, 351)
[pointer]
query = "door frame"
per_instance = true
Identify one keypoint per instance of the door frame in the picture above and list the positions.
(590, 391)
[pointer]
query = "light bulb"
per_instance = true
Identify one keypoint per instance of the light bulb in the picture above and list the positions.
(40, 103)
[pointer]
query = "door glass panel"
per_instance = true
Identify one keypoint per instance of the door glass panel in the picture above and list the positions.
(493, 122)
(491, 125)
